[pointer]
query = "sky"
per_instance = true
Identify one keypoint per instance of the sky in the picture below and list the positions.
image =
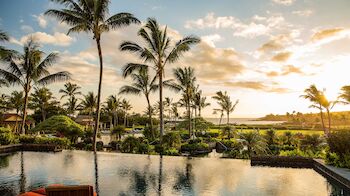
(262, 52)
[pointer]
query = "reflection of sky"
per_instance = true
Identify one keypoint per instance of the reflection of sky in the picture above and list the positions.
(139, 174)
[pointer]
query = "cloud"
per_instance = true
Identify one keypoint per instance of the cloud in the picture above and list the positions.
(211, 39)
(257, 85)
(286, 70)
(304, 13)
(284, 2)
(257, 26)
(282, 56)
(41, 20)
(327, 33)
(27, 29)
(58, 39)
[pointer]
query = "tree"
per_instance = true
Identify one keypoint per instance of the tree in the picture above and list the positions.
(125, 105)
(71, 91)
(15, 101)
(5, 54)
(142, 84)
(225, 103)
(253, 141)
(30, 68)
(201, 102)
(159, 52)
(315, 96)
(42, 100)
(88, 104)
(221, 112)
(91, 16)
(345, 95)
(112, 107)
(119, 131)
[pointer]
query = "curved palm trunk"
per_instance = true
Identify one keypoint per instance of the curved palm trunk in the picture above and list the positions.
(161, 106)
(329, 121)
(97, 122)
(150, 117)
(25, 109)
(323, 127)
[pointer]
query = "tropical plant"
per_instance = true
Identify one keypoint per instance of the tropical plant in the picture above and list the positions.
(159, 52)
(254, 142)
(143, 84)
(125, 105)
(71, 91)
(225, 103)
(315, 96)
(15, 101)
(88, 103)
(185, 82)
(228, 131)
(270, 137)
(112, 107)
(41, 100)
(4, 52)
(91, 16)
(200, 102)
(30, 68)
(221, 112)
(119, 131)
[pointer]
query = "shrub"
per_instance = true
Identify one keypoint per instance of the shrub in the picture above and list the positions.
(172, 140)
(61, 142)
(172, 152)
(60, 124)
(99, 145)
(147, 132)
(193, 147)
(130, 144)
(339, 142)
(119, 131)
(6, 136)
(297, 152)
(228, 131)
(26, 139)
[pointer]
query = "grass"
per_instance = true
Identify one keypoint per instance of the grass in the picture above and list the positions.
(278, 132)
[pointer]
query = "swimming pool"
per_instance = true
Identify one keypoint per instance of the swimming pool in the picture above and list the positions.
(130, 174)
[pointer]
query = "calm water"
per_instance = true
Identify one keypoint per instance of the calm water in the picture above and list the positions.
(246, 121)
(127, 174)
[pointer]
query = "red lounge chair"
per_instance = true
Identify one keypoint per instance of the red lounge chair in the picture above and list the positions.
(61, 190)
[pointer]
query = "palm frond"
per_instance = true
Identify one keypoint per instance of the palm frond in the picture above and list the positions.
(131, 67)
(181, 47)
(129, 90)
(121, 19)
(56, 77)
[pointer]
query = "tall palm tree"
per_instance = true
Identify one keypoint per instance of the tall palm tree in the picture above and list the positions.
(89, 102)
(225, 103)
(31, 68)
(71, 91)
(16, 102)
(328, 106)
(112, 107)
(159, 52)
(91, 16)
(185, 82)
(200, 102)
(315, 96)
(125, 105)
(42, 99)
(143, 84)
(72, 105)
(345, 95)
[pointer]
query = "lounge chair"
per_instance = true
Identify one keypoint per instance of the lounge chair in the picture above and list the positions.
(62, 190)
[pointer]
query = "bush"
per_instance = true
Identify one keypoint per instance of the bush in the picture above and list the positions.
(99, 145)
(119, 131)
(6, 137)
(172, 152)
(306, 153)
(132, 144)
(61, 142)
(148, 133)
(339, 142)
(171, 140)
(26, 139)
(60, 124)
(194, 147)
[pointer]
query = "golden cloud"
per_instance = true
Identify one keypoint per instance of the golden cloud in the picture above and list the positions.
(257, 85)
(281, 57)
(323, 34)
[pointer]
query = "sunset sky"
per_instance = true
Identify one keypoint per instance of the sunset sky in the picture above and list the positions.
(262, 52)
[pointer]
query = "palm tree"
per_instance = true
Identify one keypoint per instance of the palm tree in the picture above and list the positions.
(125, 105)
(112, 106)
(315, 96)
(3, 51)
(328, 106)
(159, 52)
(345, 95)
(143, 84)
(15, 101)
(185, 82)
(225, 103)
(30, 68)
(42, 100)
(88, 103)
(71, 91)
(253, 141)
(200, 102)
(91, 16)
(4, 103)
(221, 111)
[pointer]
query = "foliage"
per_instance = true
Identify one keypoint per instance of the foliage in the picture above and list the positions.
(313, 141)
(171, 140)
(119, 131)
(339, 147)
(132, 144)
(303, 153)
(6, 136)
(171, 152)
(148, 133)
(60, 124)
(27, 139)
(270, 137)
(254, 142)
(194, 145)
(228, 131)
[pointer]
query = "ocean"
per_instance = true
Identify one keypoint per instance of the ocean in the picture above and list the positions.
(247, 121)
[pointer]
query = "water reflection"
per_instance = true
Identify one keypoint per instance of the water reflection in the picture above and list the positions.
(126, 174)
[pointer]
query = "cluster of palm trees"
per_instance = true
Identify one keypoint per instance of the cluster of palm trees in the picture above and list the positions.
(319, 101)
(226, 105)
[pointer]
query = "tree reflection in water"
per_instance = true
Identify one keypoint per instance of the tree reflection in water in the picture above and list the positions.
(96, 174)
(184, 182)
(22, 180)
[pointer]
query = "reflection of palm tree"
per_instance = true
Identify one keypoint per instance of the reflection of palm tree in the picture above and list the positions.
(185, 180)
(31, 68)
(92, 17)
(160, 176)
(22, 181)
(96, 174)
(159, 53)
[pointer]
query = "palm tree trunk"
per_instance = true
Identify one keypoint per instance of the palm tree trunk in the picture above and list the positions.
(16, 125)
(97, 122)
(323, 127)
(125, 118)
(189, 120)
(329, 121)
(199, 111)
(150, 117)
(161, 106)
(228, 118)
(195, 118)
(25, 108)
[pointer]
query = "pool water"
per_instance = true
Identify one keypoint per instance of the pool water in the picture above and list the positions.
(129, 174)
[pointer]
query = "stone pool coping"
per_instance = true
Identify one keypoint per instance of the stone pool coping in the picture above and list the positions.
(339, 175)
(29, 147)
